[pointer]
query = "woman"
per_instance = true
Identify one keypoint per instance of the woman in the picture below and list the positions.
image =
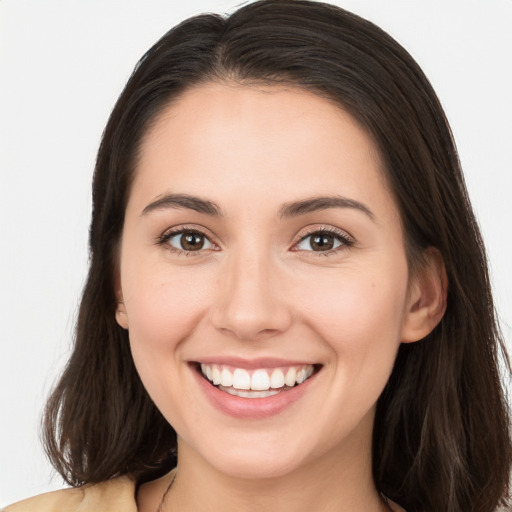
(288, 298)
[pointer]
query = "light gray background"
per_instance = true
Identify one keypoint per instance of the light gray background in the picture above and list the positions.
(63, 64)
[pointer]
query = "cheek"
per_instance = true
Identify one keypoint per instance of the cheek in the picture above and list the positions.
(164, 306)
(359, 319)
(356, 311)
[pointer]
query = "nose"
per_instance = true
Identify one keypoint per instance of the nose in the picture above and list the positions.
(251, 303)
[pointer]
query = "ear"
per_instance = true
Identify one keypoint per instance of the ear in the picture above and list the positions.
(427, 297)
(121, 316)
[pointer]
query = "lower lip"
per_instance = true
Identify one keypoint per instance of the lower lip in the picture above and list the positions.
(251, 408)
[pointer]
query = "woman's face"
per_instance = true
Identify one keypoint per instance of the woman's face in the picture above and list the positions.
(261, 247)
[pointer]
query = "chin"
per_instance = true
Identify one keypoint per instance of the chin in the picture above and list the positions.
(248, 459)
(258, 467)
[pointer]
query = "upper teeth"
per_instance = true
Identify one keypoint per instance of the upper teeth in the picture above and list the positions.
(259, 380)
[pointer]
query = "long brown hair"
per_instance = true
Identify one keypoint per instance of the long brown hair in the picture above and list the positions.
(442, 433)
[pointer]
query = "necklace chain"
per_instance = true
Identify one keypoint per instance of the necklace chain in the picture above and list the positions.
(160, 506)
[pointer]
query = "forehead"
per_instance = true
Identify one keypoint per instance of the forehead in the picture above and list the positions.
(257, 141)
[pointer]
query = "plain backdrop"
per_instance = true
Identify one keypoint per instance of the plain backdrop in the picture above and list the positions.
(63, 64)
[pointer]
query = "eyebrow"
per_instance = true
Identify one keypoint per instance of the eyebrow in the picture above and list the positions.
(292, 209)
(315, 204)
(184, 201)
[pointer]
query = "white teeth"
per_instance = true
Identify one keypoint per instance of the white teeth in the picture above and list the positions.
(249, 394)
(241, 379)
(207, 370)
(260, 380)
(277, 379)
(226, 377)
(215, 376)
(291, 374)
(301, 376)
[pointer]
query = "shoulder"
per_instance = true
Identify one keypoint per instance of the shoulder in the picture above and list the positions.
(116, 495)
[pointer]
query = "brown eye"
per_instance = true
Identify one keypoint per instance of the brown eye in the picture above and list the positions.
(192, 242)
(321, 242)
(189, 241)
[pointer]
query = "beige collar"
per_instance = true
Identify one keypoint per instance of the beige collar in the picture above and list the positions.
(116, 495)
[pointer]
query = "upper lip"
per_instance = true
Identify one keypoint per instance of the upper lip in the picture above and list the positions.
(251, 364)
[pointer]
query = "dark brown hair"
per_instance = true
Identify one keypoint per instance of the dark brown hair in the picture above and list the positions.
(441, 436)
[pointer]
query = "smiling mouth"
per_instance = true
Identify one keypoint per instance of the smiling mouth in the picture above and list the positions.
(258, 383)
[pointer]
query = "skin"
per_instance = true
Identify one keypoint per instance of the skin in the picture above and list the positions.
(257, 289)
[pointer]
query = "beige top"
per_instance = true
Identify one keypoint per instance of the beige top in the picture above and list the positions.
(116, 495)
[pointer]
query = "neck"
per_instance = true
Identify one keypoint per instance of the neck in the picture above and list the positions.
(340, 481)
(312, 488)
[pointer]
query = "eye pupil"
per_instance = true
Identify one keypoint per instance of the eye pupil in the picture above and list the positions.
(192, 242)
(322, 242)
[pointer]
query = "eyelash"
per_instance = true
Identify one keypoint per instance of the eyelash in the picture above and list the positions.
(346, 242)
